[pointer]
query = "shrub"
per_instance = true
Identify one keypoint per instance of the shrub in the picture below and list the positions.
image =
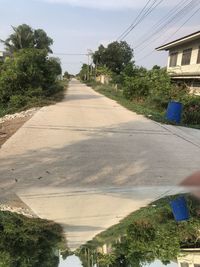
(28, 75)
(191, 111)
(137, 87)
(160, 88)
(18, 101)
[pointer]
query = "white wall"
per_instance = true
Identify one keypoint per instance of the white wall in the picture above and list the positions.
(189, 69)
(190, 258)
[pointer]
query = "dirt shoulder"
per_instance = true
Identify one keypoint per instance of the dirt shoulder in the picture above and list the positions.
(9, 124)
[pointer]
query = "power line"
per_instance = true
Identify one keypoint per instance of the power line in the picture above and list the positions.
(149, 11)
(193, 14)
(69, 54)
(135, 20)
(162, 20)
(183, 23)
(176, 16)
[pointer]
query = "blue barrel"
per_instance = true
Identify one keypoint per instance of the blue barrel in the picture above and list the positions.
(174, 111)
(180, 209)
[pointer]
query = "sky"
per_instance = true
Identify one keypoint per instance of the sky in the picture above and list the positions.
(73, 261)
(79, 25)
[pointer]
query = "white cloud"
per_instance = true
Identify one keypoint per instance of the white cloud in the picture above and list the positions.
(108, 4)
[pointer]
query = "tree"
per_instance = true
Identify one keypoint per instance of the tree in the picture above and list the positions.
(42, 40)
(29, 74)
(156, 67)
(99, 56)
(22, 37)
(28, 242)
(84, 72)
(26, 37)
(55, 65)
(66, 75)
(115, 57)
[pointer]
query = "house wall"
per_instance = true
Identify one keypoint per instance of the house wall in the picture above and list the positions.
(103, 79)
(191, 259)
(1, 56)
(188, 69)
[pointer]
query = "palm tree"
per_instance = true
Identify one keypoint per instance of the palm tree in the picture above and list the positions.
(23, 37)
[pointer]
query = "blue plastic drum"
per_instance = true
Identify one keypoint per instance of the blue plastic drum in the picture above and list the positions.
(174, 111)
(180, 209)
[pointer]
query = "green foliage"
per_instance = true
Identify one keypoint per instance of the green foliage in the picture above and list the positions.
(149, 234)
(28, 76)
(42, 40)
(103, 70)
(156, 67)
(160, 87)
(84, 72)
(105, 260)
(28, 242)
(66, 75)
(115, 57)
(25, 37)
(18, 101)
(136, 87)
(191, 111)
(154, 86)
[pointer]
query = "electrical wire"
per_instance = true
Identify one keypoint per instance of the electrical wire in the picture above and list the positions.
(193, 14)
(172, 20)
(149, 11)
(135, 20)
(144, 16)
(69, 54)
(162, 20)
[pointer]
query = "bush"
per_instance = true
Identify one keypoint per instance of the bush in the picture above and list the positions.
(154, 86)
(160, 88)
(191, 111)
(29, 75)
(28, 242)
(18, 101)
(137, 87)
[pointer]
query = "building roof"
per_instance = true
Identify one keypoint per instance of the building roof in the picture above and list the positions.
(180, 41)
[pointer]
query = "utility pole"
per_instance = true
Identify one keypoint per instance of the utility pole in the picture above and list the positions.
(88, 69)
(89, 55)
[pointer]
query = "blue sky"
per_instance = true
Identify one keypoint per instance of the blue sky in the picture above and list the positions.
(73, 261)
(78, 25)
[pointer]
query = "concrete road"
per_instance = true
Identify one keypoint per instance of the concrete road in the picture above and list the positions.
(87, 162)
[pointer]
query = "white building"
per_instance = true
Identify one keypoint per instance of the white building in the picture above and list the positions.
(184, 60)
(3, 55)
(189, 258)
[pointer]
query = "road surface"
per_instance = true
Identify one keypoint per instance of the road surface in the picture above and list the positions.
(87, 162)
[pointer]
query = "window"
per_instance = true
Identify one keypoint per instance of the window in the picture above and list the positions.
(184, 264)
(198, 57)
(186, 56)
(173, 59)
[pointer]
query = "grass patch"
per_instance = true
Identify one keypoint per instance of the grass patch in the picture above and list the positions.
(157, 212)
(146, 235)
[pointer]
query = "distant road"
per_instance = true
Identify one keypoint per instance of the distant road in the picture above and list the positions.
(87, 162)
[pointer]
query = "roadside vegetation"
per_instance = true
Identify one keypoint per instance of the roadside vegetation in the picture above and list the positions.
(29, 76)
(146, 92)
(29, 242)
(146, 235)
